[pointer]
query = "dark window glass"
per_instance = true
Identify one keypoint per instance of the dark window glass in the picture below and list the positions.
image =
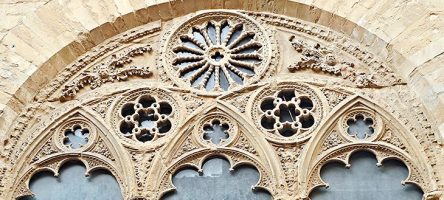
(216, 183)
(73, 185)
(366, 181)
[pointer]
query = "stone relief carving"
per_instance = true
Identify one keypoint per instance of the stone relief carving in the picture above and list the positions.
(290, 160)
(146, 129)
(325, 59)
(145, 115)
(287, 111)
(317, 58)
(216, 52)
(113, 69)
(334, 97)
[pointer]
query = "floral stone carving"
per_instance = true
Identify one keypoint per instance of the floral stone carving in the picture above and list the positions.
(145, 119)
(217, 51)
(113, 69)
(144, 115)
(287, 112)
(145, 130)
(319, 57)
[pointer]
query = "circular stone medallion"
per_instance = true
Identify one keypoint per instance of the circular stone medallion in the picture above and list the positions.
(216, 51)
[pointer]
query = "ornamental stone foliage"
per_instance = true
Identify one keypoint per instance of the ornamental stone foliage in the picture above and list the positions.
(276, 93)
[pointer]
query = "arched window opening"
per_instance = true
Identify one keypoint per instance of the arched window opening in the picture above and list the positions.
(217, 182)
(365, 181)
(72, 184)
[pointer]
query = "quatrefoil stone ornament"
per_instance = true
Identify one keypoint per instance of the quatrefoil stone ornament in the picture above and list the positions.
(287, 113)
(217, 51)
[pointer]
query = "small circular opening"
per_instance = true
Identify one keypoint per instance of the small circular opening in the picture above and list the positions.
(217, 56)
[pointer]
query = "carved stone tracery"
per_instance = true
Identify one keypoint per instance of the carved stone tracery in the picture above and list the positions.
(288, 112)
(217, 51)
(145, 129)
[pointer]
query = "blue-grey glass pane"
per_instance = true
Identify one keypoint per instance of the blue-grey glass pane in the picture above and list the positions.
(216, 132)
(365, 181)
(73, 185)
(217, 183)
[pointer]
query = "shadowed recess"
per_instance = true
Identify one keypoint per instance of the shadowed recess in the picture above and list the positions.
(76, 137)
(216, 132)
(73, 185)
(216, 183)
(219, 55)
(360, 127)
(365, 181)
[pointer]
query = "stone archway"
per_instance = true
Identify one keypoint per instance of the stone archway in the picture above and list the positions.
(346, 53)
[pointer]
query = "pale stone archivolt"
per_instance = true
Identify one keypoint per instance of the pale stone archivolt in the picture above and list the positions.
(363, 177)
(71, 182)
(216, 179)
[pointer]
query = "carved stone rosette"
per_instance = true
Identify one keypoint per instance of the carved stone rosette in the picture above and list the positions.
(216, 51)
(145, 116)
(287, 112)
(226, 125)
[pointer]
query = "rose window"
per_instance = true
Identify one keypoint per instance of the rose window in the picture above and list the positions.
(218, 51)
(287, 113)
(145, 119)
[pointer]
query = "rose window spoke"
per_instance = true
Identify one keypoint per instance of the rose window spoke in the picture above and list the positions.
(212, 58)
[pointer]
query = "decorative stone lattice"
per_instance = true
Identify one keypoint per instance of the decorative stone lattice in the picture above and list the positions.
(160, 107)
(216, 132)
(145, 119)
(217, 51)
(287, 112)
(360, 126)
(76, 137)
(216, 129)
(75, 134)
(359, 123)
